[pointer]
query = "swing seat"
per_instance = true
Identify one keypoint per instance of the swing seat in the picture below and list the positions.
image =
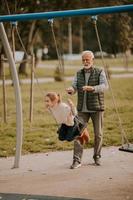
(127, 148)
(69, 133)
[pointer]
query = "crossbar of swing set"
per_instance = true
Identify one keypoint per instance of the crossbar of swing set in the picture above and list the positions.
(66, 13)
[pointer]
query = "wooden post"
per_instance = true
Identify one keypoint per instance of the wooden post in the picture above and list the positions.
(70, 36)
(31, 87)
(4, 90)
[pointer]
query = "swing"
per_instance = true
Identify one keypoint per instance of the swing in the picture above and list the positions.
(126, 146)
(69, 133)
(79, 126)
(72, 132)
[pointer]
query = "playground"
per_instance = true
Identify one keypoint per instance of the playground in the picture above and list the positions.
(38, 167)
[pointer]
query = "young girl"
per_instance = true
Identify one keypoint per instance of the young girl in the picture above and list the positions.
(65, 116)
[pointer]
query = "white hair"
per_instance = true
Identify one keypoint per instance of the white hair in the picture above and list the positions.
(88, 52)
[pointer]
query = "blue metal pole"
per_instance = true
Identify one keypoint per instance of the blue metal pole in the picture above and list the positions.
(67, 13)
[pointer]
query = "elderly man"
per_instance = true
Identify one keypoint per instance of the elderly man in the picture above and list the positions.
(89, 83)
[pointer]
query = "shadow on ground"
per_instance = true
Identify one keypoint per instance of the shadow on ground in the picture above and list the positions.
(12, 196)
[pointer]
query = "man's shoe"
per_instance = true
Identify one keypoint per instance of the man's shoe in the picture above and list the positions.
(97, 161)
(75, 165)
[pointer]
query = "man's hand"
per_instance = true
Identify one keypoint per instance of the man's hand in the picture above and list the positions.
(88, 88)
(70, 90)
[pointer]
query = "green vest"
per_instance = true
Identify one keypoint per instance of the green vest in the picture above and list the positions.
(94, 101)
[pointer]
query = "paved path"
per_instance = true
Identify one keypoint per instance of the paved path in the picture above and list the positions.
(47, 80)
(47, 176)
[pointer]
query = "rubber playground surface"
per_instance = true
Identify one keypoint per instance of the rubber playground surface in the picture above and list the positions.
(47, 176)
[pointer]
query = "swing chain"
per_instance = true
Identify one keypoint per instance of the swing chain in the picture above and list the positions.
(51, 22)
(123, 133)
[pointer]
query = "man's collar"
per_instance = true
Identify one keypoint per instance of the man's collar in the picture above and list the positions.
(88, 70)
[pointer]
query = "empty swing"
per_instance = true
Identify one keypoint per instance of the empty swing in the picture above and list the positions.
(126, 146)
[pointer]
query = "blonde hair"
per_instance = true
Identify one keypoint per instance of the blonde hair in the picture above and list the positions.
(88, 52)
(53, 96)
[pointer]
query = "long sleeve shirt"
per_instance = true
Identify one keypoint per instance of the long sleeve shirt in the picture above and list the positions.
(63, 114)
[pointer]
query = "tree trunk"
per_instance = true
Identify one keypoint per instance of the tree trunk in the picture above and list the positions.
(22, 67)
(29, 49)
(126, 61)
(1, 70)
(81, 36)
(70, 35)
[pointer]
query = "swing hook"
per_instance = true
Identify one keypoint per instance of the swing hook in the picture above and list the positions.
(94, 19)
(14, 23)
(51, 21)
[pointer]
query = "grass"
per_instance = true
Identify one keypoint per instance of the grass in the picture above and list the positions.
(40, 135)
